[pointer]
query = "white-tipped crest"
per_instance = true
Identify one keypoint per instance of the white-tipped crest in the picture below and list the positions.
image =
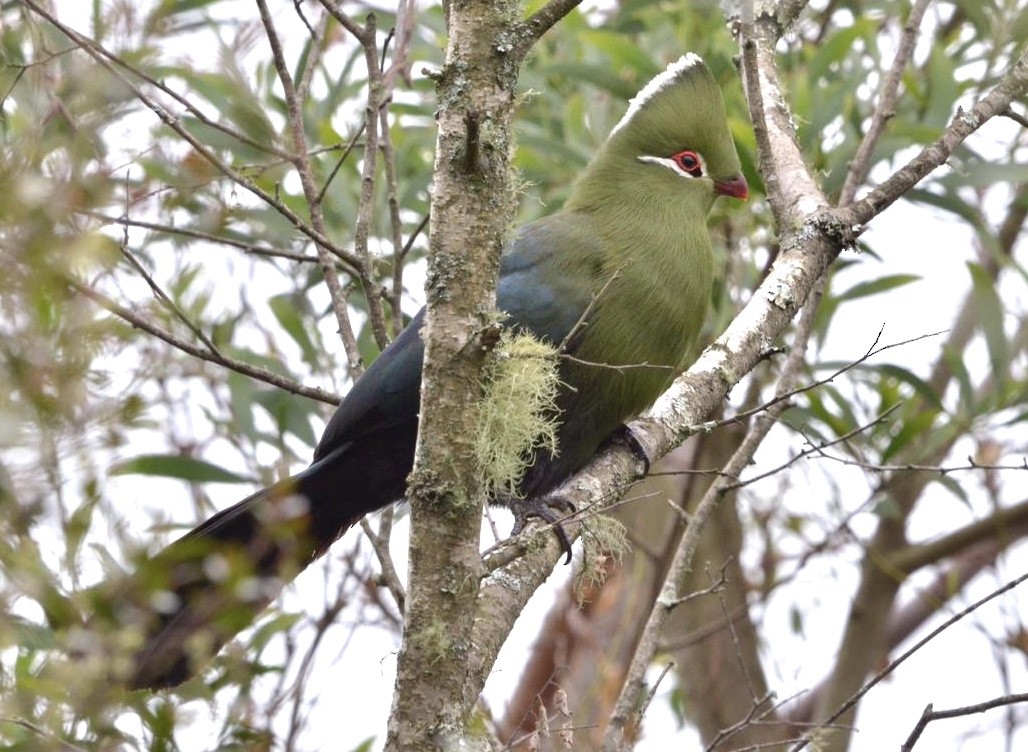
(656, 85)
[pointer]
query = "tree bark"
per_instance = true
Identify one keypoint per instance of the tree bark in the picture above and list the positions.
(472, 203)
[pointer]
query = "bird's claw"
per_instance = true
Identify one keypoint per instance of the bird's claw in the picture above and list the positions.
(625, 434)
(550, 509)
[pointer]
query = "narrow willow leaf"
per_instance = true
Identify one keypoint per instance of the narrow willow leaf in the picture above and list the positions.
(177, 466)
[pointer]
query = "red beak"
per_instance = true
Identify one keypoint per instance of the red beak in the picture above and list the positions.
(735, 187)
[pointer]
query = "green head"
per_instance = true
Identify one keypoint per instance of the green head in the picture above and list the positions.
(673, 138)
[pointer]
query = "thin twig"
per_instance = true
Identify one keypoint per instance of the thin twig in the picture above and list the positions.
(653, 690)
(369, 166)
(583, 320)
(750, 720)
(317, 45)
(294, 109)
(885, 107)
(997, 101)
(104, 58)
(254, 372)
(913, 467)
(779, 398)
(930, 715)
(816, 449)
(894, 664)
(166, 300)
(243, 245)
(380, 544)
(1018, 118)
(395, 221)
(52, 739)
(715, 587)
(366, 36)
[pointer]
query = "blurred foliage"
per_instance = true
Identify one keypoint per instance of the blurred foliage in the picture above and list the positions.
(97, 194)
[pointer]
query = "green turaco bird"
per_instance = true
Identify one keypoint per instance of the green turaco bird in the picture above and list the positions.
(621, 275)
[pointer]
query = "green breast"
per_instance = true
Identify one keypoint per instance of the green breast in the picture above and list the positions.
(647, 319)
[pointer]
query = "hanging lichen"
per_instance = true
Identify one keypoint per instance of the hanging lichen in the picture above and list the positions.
(518, 413)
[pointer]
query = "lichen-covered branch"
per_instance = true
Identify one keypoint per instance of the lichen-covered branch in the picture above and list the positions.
(431, 709)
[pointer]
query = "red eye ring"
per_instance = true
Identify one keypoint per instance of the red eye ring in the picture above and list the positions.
(689, 161)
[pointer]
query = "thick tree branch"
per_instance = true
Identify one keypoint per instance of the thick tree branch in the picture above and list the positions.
(1008, 523)
(432, 708)
(532, 28)
(807, 252)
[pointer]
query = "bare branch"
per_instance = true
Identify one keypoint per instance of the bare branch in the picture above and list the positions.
(885, 107)
(103, 58)
(301, 160)
(633, 685)
(817, 448)
(166, 300)
(930, 715)
(996, 102)
(914, 467)
(380, 543)
(232, 364)
(533, 27)
(1018, 118)
(896, 663)
(52, 740)
(247, 247)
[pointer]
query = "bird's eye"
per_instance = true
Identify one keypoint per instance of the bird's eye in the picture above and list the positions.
(689, 162)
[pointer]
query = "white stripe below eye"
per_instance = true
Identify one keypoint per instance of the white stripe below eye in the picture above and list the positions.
(672, 165)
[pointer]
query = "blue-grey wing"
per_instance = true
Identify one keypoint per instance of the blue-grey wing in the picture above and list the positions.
(540, 289)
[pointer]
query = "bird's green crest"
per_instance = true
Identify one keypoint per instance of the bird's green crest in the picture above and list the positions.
(680, 108)
(679, 111)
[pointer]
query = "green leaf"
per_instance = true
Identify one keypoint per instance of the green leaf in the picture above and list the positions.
(943, 88)
(954, 487)
(290, 413)
(875, 286)
(279, 623)
(838, 46)
(177, 466)
(950, 202)
(955, 362)
(289, 318)
(990, 315)
(919, 385)
(982, 174)
(888, 508)
(911, 434)
(26, 635)
(796, 620)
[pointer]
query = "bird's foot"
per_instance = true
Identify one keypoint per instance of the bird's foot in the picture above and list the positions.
(625, 435)
(549, 509)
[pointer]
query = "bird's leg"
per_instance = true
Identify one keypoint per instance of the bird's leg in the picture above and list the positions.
(625, 435)
(550, 509)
